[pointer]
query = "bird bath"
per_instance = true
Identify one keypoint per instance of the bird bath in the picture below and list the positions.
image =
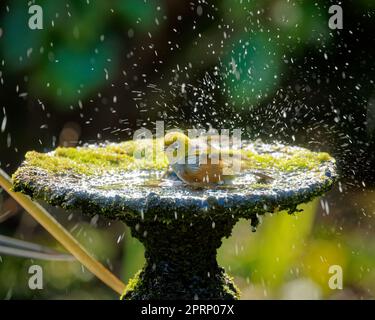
(180, 227)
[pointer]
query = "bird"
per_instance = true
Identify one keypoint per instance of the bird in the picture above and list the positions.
(189, 167)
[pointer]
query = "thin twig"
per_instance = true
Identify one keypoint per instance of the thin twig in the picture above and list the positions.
(21, 248)
(6, 215)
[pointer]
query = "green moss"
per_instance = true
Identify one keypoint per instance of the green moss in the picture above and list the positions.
(91, 160)
(56, 164)
(294, 160)
(131, 285)
(119, 157)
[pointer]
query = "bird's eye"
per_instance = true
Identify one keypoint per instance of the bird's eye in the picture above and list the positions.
(176, 146)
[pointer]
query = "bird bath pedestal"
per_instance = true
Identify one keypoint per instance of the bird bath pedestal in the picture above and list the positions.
(180, 227)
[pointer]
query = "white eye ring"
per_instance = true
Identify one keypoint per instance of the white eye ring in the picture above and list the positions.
(175, 145)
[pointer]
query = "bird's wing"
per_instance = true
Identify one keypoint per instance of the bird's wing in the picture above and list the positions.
(192, 164)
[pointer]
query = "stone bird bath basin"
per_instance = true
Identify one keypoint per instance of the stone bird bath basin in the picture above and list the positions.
(180, 227)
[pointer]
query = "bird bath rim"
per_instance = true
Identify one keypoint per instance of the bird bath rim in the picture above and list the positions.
(112, 194)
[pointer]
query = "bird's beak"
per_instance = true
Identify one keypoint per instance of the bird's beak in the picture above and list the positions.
(174, 146)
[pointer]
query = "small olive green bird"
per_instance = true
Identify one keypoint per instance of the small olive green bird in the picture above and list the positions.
(192, 171)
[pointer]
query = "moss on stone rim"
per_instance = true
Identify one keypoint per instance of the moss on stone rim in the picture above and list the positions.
(82, 178)
(93, 160)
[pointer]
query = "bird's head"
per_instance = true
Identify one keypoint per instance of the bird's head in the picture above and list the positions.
(176, 144)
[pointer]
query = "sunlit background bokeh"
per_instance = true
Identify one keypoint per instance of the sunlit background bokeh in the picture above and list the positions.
(101, 69)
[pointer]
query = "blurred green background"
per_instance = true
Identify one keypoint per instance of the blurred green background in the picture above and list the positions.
(101, 69)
